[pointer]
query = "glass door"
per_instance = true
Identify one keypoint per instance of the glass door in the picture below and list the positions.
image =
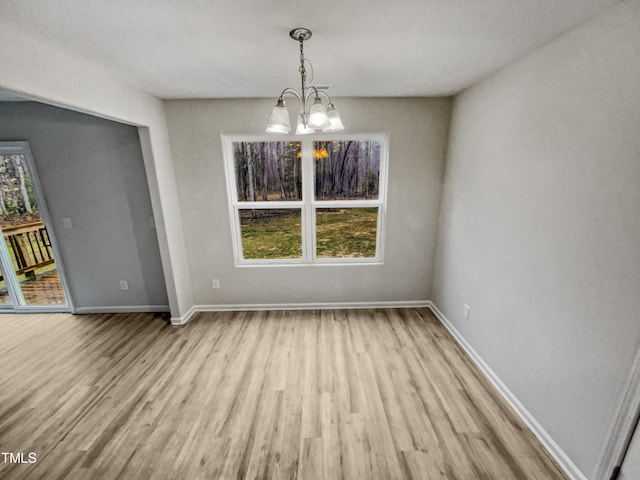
(5, 298)
(30, 273)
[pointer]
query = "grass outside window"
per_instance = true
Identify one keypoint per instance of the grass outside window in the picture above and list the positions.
(271, 233)
(346, 232)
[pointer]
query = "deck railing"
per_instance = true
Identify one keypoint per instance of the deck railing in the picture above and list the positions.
(30, 245)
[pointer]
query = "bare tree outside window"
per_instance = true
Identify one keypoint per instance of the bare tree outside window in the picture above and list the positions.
(347, 169)
(17, 198)
(268, 171)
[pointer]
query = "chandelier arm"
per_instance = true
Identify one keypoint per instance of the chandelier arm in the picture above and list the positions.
(315, 93)
(324, 94)
(308, 93)
(301, 100)
(290, 91)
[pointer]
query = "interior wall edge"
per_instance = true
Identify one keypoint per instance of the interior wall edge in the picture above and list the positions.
(50, 76)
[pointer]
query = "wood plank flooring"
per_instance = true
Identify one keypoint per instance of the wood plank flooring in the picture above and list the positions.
(353, 394)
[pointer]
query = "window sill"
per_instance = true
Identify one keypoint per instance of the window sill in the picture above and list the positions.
(297, 263)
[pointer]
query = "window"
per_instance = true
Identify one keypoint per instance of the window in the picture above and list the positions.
(320, 199)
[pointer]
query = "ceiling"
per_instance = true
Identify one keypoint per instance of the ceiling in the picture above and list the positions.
(241, 48)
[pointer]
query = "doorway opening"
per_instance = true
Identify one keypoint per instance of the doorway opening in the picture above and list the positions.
(30, 275)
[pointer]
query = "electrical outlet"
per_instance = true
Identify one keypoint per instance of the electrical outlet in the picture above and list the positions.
(215, 284)
(466, 310)
(124, 285)
(67, 223)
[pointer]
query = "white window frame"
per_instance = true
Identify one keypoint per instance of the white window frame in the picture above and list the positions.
(308, 204)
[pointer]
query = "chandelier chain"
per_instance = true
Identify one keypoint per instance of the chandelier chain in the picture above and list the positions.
(302, 70)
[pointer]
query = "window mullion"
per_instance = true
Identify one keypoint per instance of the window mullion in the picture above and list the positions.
(308, 234)
(268, 205)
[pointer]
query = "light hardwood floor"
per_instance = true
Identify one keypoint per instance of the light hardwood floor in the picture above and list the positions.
(354, 394)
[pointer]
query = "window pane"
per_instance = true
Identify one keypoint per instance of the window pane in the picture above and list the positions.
(346, 232)
(347, 169)
(268, 171)
(271, 233)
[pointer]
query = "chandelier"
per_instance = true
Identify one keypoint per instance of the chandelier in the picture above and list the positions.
(312, 117)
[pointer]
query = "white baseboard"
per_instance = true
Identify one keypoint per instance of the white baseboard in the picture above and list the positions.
(123, 309)
(177, 321)
(543, 436)
(296, 306)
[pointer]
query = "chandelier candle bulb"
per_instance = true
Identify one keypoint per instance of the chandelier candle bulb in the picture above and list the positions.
(335, 122)
(319, 116)
(301, 128)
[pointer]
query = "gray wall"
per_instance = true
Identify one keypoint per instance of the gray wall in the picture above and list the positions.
(540, 229)
(91, 170)
(418, 133)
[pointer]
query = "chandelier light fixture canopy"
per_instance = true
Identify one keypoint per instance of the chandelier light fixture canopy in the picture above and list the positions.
(315, 115)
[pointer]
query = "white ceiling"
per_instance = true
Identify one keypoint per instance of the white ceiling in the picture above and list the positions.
(241, 48)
